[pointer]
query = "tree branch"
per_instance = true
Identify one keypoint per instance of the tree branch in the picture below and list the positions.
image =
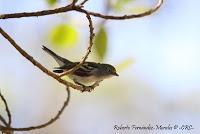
(2, 128)
(6, 124)
(3, 121)
(80, 9)
(38, 13)
(7, 109)
(123, 17)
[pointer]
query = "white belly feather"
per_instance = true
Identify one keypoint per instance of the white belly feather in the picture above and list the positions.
(88, 79)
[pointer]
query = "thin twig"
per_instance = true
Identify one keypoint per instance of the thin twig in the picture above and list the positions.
(48, 122)
(123, 17)
(74, 2)
(91, 27)
(3, 121)
(7, 125)
(7, 110)
(80, 9)
(38, 13)
(83, 2)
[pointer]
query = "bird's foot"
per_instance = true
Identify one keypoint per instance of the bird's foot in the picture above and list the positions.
(87, 88)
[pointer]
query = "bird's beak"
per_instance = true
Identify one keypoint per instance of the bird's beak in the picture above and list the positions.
(115, 74)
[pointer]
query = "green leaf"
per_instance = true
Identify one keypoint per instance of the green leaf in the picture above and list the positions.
(51, 2)
(63, 35)
(101, 43)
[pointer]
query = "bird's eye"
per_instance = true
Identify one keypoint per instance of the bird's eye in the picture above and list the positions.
(109, 70)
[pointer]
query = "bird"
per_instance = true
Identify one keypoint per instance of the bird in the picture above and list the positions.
(88, 72)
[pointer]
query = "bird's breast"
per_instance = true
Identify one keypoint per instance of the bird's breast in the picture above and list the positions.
(85, 79)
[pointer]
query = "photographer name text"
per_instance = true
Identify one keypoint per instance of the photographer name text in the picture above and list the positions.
(150, 127)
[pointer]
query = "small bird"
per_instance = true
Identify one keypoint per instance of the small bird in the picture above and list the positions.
(87, 73)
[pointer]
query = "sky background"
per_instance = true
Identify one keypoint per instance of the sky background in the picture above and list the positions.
(160, 87)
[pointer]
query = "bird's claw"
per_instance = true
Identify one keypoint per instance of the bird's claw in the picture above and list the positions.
(87, 88)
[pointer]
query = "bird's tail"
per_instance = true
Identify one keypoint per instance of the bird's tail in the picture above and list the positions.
(61, 61)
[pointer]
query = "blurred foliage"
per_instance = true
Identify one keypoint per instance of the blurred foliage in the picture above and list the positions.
(127, 6)
(51, 2)
(118, 5)
(63, 35)
(101, 43)
(139, 9)
(124, 64)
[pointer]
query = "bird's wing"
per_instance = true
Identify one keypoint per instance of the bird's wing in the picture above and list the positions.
(63, 68)
(87, 69)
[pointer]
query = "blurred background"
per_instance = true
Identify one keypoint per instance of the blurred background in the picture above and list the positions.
(157, 58)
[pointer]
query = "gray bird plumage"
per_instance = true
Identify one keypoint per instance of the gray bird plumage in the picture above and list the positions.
(88, 72)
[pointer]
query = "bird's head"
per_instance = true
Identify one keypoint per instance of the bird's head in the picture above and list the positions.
(109, 70)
